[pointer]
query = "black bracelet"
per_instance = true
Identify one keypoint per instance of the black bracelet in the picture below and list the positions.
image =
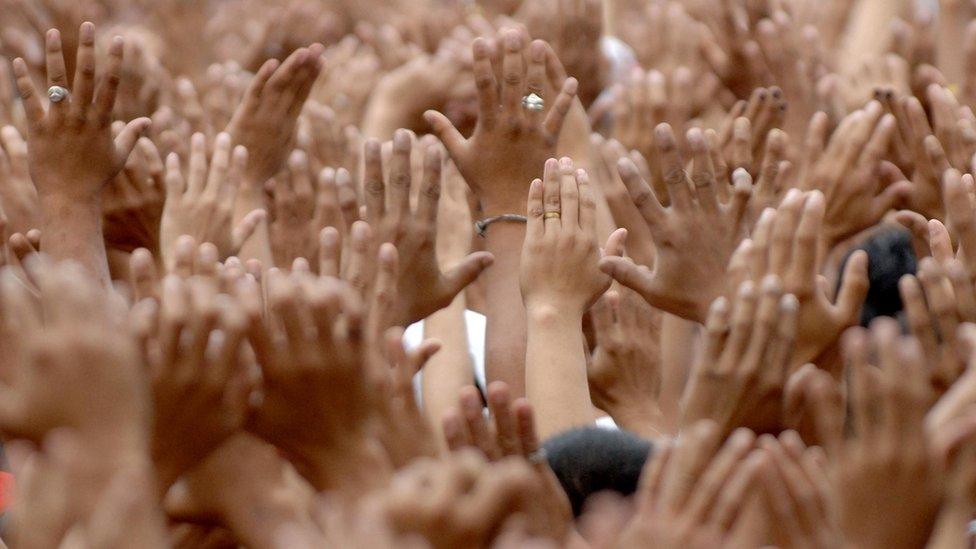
(481, 227)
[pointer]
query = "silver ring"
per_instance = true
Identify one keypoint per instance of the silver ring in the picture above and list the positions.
(57, 94)
(533, 102)
(539, 457)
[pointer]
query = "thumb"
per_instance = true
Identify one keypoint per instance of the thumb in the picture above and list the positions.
(466, 272)
(245, 229)
(126, 140)
(626, 272)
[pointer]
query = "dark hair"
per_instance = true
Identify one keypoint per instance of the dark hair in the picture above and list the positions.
(890, 256)
(590, 460)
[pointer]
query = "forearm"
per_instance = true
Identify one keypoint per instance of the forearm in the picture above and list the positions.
(505, 332)
(450, 369)
(866, 33)
(555, 371)
(953, 17)
(677, 356)
(72, 231)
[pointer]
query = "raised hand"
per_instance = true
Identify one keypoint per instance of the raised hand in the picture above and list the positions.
(886, 481)
(64, 356)
(848, 172)
(694, 237)
(422, 287)
(798, 491)
(133, 202)
(692, 492)
(71, 151)
(560, 280)
(265, 121)
(200, 387)
(302, 204)
(324, 368)
(624, 372)
(201, 204)
(738, 381)
(510, 142)
(455, 516)
(559, 273)
(508, 431)
(937, 300)
(784, 244)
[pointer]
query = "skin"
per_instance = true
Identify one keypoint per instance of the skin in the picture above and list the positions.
(496, 167)
(258, 389)
(71, 153)
(560, 281)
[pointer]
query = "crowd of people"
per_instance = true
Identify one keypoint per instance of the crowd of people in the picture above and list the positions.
(676, 274)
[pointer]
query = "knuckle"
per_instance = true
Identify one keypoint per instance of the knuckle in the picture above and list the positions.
(675, 175)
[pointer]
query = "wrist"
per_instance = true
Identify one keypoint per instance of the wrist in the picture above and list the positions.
(57, 201)
(642, 418)
(554, 313)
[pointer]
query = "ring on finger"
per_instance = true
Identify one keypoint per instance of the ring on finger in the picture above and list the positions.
(533, 102)
(552, 215)
(57, 94)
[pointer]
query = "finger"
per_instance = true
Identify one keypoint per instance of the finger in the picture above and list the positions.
(109, 88)
(626, 272)
(84, 83)
(853, 289)
(175, 184)
(484, 79)
(535, 79)
(473, 414)
(57, 74)
(28, 93)
(506, 433)
(672, 167)
(398, 190)
(445, 131)
(513, 78)
(466, 273)
(587, 207)
(917, 313)
(961, 215)
(551, 184)
(329, 252)
(536, 226)
(553, 123)
(787, 217)
(569, 196)
(641, 194)
(718, 472)
(348, 201)
(703, 172)
(373, 186)
(803, 268)
(128, 137)
(430, 188)
(525, 427)
(219, 164)
(939, 241)
(246, 229)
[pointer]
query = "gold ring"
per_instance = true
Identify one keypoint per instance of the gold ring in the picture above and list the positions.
(551, 215)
